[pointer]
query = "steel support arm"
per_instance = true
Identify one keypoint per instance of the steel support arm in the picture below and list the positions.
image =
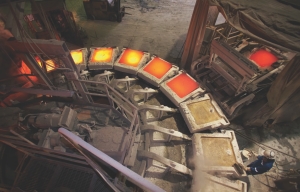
(172, 164)
(170, 132)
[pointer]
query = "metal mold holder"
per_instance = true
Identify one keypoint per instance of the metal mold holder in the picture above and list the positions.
(81, 65)
(173, 96)
(213, 183)
(217, 153)
(101, 65)
(153, 80)
(127, 68)
(202, 114)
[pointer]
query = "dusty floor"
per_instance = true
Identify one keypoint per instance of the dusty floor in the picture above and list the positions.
(283, 138)
(156, 26)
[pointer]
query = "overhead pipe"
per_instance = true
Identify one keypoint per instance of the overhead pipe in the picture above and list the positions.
(132, 176)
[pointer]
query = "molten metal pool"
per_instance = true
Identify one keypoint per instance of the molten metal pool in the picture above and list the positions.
(103, 55)
(131, 57)
(263, 58)
(77, 56)
(158, 67)
(50, 65)
(183, 85)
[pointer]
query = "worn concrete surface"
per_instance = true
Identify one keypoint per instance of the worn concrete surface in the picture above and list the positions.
(157, 26)
(283, 138)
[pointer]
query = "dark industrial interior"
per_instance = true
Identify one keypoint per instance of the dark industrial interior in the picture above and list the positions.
(149, 95)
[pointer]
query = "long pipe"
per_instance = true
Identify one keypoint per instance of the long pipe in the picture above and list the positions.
(132, 176)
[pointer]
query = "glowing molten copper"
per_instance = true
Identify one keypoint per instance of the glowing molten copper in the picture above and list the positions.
(77, 56)
(158, 67)
(38, 60)
(26, 70)
(131, 57)
(183, 85)
(263, 58)
(50, 65)
(102, 55)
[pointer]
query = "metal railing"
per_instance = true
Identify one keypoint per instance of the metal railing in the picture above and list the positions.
(119, 102)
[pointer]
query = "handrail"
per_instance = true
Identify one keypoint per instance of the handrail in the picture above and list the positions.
(133, 113)
(132, 176)
(114, 91)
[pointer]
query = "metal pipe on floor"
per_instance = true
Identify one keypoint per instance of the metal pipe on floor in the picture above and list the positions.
(132, 176)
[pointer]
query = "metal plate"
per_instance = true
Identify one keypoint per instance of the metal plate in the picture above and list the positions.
(216, 153)
(202, 114)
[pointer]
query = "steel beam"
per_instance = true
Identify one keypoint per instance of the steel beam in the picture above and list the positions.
(170, 132)
(58, 93)
(39, 46)
(172, 164)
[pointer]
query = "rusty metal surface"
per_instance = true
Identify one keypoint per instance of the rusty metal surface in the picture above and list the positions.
(195, 34)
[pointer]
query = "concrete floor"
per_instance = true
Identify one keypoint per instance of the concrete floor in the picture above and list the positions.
(283, 138)
(156, 26)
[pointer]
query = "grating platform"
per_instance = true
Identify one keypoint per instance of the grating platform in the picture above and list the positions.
(203, 113)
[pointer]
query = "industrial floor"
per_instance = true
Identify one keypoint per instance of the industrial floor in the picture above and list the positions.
(283, 138)
(156, 26)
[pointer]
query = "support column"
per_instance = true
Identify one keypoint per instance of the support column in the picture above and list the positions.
(195, 34)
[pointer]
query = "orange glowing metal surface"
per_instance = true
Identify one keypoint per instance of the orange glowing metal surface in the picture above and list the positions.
(38, 60)
(50, 65)
(77, 56)
(263, 58)
(183, 85)
(131, 57)
(102, 55)
(158, 67)
(26, 70)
